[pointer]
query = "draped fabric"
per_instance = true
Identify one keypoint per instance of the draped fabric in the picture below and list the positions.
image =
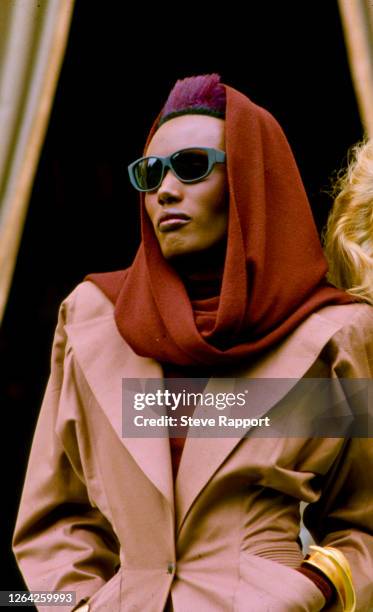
(274, 272)
(33, 37)
(357, 22)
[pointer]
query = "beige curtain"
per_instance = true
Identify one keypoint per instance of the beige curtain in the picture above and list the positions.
(357, 20)
(33, 35)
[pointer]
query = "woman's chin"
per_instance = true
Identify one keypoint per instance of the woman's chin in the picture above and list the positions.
(176, 248)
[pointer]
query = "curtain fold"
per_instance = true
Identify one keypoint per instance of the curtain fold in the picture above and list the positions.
(33, 37)
(357, 22)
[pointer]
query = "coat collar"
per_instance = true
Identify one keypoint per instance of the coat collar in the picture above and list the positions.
(106, 359)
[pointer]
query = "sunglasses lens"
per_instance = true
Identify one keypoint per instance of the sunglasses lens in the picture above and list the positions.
(148, 173)
(190, 165)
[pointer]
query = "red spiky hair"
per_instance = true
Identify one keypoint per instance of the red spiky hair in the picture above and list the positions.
(202, 95)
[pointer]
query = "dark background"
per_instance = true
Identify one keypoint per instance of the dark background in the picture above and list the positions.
(83, 217)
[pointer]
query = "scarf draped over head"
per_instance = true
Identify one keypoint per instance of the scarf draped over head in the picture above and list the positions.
(274, 272)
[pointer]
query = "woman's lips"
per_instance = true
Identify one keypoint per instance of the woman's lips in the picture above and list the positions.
(169, 222)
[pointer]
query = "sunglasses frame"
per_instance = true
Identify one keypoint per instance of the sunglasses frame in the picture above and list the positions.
(214, 156)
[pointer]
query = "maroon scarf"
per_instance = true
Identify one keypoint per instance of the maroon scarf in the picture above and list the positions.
(274, 273)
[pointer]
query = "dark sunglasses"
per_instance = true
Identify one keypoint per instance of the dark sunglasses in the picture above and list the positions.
(188, 165)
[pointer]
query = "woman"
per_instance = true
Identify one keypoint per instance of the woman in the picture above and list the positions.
(228, 282)
(349, 233)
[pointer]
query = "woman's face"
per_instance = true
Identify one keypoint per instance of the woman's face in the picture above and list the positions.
(203, 205)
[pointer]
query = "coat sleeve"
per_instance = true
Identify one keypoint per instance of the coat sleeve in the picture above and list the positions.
(61, 541)
(343, 516)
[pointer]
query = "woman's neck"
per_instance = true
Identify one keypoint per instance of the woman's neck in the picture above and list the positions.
(202, 272)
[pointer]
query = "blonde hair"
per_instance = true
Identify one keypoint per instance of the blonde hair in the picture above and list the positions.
(348, 238)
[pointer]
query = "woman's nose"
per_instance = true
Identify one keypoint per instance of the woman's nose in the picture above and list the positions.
(170, 190)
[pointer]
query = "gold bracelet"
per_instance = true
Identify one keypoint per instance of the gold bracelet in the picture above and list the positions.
(335, 566)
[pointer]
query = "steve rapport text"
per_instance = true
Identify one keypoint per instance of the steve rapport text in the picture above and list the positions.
(188, 421)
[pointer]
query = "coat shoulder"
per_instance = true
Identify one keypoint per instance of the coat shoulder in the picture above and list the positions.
(86, 302)
(350, 349)
(350, 319)
(348, 313)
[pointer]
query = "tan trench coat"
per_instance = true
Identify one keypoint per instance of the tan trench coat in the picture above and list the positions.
(99, 514)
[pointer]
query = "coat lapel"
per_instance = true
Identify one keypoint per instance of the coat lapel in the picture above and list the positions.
(105, 360)
(290, 361)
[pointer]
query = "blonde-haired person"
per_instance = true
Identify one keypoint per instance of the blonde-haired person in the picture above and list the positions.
(348, 238)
